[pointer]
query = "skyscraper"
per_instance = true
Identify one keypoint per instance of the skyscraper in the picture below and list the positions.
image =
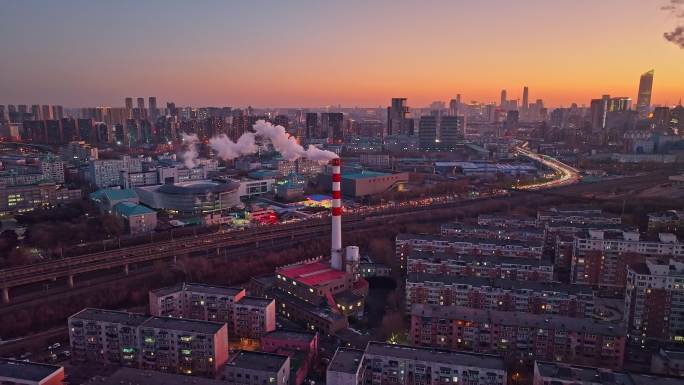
(599, 111)
(397, 123)
(311, 125)
(427, 133)
(152, 105)
(331, 126)
(451, 129)
(129, 103)
(504, 99)
(644, 96)
(525, 103)
(141, 103)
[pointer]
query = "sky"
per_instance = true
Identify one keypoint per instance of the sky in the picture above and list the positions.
(328, 52)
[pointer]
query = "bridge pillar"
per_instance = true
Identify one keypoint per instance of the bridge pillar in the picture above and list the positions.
(126, 270)
(70, 281)
(5, 295)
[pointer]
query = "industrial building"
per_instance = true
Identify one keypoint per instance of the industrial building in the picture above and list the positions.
(365, 183)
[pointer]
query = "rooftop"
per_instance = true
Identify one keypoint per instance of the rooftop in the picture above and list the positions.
(436, 355)
(130, 376)
(475, 240)
(183, 325)
(198, 187)
(111, 316)
(290, 335)
(199, 288)
(504, 284)
(479, 259)
(311, 274)
(114, 194)
(26, 371)
(582, 373)
(257, 361)
(346, 361)
(365, 175)
(255, 301)
(539, 321)
(127, 209)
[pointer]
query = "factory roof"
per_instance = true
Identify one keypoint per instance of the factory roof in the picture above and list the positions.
(311, 274)
(346, 360)
(448, 357)
(257, 361)
(111, 316)
(518, 319)
(504, 284)
(365, 174)
(199, 288)
(183, 325)
(114, 194)
(26, 371)
(128, 209)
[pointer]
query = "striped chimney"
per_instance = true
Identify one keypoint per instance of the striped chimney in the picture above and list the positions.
(336, 243)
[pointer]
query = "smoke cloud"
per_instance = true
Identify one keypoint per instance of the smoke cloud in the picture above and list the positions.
(227, 149)
(191, 155)
(283, 142)
(676, 9)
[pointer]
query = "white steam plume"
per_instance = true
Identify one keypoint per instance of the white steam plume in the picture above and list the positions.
(226, 149)
(287, 145)
(283, 142)
(191, 154)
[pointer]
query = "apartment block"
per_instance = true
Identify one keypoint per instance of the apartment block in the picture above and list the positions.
(196, 301)
(520, 233)
(486, 266)
(600, 258)
(500, 294)
(520, 336)
(556, 373)
(301, 347)
(254, 317)
(406, 243)
(384, 363)
(506, 221)
(157, 343)
(578, 216)
(257, 368)
(654, 301)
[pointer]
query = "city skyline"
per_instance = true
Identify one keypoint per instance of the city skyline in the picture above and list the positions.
(200, 55)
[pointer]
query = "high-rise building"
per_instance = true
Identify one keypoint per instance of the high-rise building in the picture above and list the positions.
(331, 126)
(525, 103)
(599, 112)
(451, 130)
(661, 118)
(311, 125)
(46, 112)
(427, 133)
(454, 105)
(619, 104)
(504, 101)
(129, 103)
(397, 121)
(152, 106)
(141, 103)
(644, 96)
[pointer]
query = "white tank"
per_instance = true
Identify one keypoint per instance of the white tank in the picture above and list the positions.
(352, 254)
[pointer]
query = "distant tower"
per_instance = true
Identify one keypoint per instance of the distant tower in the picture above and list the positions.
(152, 105)
(504, 99)
(336, 242)
(397, 122)
(141, 103)
(129, 103)
(525, 102)
(644, 96)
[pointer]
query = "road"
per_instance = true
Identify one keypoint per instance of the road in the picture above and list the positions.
(567, 174)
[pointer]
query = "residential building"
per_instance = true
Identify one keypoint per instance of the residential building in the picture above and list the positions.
(148, 342)
(654, 301)
(668, 221)
(257, 368)
(578, 216)
(253, 317)
(385, 363)
(397, 120)
(551, 298)
(668, 363)
(600, 258)
(196, 301)
(508, 221)
(486, 266)
(132, 376)
(29, 373)
(556, 373)
(457, 229)
(520, 336)
(301, 347)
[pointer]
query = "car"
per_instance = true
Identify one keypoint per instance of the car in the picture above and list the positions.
(56, 345)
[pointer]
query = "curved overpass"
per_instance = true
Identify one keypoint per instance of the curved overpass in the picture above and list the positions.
(567, 174)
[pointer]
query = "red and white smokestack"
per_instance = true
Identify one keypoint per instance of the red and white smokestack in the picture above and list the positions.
(336, 243)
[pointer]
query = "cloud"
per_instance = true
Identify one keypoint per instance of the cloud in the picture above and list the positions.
(676, 36)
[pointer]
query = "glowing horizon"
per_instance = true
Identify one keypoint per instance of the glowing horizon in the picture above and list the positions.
(79, 53)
